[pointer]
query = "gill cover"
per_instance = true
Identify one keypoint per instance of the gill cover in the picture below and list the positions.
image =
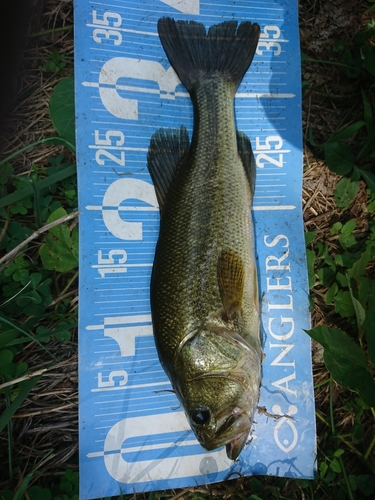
(219, 387)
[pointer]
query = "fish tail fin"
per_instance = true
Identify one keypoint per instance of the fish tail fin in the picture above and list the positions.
(226, 50)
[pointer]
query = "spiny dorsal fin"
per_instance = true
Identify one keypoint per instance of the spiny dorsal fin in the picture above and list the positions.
(231, 280)
(166, 151)
(246, 154)
(226, 49)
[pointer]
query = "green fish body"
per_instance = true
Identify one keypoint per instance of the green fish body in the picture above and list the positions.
(204, 294)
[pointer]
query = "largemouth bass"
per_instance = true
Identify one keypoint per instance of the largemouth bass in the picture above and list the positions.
(204, 294)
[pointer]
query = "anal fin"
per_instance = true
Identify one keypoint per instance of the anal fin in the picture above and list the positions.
(166, 151)
(231, 280)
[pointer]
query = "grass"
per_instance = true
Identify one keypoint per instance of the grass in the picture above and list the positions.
(38, 279)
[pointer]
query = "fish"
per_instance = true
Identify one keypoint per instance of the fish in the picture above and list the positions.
(204, 287)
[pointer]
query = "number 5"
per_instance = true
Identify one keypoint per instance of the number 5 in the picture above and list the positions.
(106, 18)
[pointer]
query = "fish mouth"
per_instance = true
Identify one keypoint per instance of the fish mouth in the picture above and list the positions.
(232, 433)
(234, 448)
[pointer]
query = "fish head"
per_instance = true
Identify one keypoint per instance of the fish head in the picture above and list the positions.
(218, 385)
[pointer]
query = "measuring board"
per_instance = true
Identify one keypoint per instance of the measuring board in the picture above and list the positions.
(134, 435)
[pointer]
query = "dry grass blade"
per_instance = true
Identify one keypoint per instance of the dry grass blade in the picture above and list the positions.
(21, 379)
(37, 233)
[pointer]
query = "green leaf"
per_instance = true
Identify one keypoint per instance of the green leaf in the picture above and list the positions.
(371, 203)
(62, 174)
(61, 108)
(23, 487)
(359, 267)
(341, 279)
(311, 303)
(346, 237)
(369, 178)
(335, 465)
(369, 59)
(6, 357)
(367, 111)
(336, 228)
(366, 484)
(330, 476)
(66, 485)
(34, 309)
(7, 495)
(323, 469)
(35, 279)
(10, 323)
(9, 370)
(368, 146)
(311, 137)
(63, 336)
(347, 132)
(358, 308)
(29, 296)
(21, 275)
(347, 58)
(309, 237)
(21, 368)
(345, 192)
(339, 157)
(310, 258)
(366, 296)
(303, 483)
(60, 251)
(358, 433)
(38, 493)
(26, 387)
(343, 304)
(339, 452)
(347, 241)
(8, 336)
(346, 361)
(348, 227)
(326, 275)
(328, 260)
(347, 259)
(353, 482)
(331, 293)
(5, 173)
(16, 235)
(18, 263)
(256, 485)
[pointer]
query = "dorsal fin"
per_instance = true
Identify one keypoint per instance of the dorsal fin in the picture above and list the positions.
(166, 151)
(231, 280)
(246, 154)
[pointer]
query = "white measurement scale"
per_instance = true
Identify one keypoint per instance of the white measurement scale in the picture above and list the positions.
(133, 433)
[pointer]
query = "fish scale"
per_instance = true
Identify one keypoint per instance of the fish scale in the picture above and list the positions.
(208, 210)
(204, 297)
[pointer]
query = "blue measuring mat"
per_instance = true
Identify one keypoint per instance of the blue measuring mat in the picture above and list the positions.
(134, 435)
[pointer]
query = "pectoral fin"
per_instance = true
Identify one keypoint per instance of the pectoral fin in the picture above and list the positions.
(166, 151)
(246, 154)
(231, 279)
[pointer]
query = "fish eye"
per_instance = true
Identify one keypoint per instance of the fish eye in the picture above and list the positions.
(201, 416)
